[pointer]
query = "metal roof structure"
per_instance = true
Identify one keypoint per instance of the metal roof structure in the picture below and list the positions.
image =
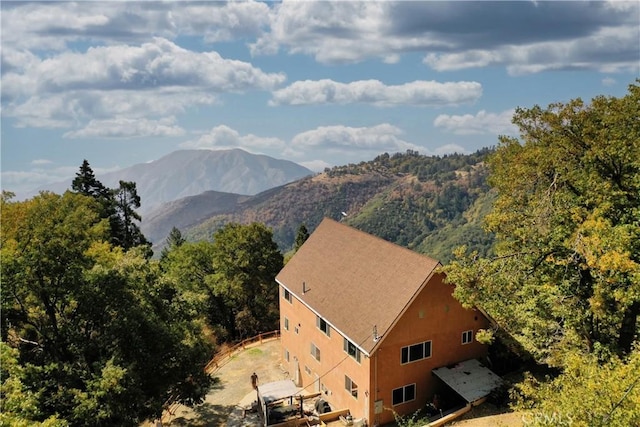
(270, 392)
(470, 379)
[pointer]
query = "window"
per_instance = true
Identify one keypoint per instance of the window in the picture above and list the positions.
(350, 386)
(286, 355)
(403, 394)
(307, 370)
(323, 325)
(351, 349)
(286, 324)
(415, 352)
(467, 337)
(315, 352)
(287, 296)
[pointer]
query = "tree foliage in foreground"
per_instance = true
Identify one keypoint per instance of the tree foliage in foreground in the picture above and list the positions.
(565, 278)
(118, 205)
(98, 338)
(566, 270)
(231, 281)
(590, 393)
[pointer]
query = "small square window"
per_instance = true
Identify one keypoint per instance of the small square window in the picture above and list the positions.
(351, 349)
(323, 325)
(467, 337)
(315, 352)
(287, 295)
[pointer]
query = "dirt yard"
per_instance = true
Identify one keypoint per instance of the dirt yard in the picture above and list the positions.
(223, 400)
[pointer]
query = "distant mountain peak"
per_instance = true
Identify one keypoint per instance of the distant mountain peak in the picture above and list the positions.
(184, 173)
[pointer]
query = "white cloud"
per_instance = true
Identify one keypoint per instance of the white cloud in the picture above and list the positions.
(580, 53)
(217, 21)
(422, 93)
(481, 123)
(155, 79)
(609, 81)
(376, 139)
(39, 162)
(225, 137)
(333, 32)
(156, 64)
(22, 183)
(55, 25)
(76, 107)
(122, 127)
(315, 165)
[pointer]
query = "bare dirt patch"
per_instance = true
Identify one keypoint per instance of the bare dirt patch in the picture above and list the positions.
(234, 384)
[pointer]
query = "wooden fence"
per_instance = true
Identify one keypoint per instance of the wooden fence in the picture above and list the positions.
(219, 360)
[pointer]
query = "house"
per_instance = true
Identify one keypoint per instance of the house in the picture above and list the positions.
(365, 322)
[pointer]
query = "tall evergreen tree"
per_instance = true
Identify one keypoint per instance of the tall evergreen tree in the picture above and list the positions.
(301, 236)
(174, 240)
(86, 183)
(126, 231)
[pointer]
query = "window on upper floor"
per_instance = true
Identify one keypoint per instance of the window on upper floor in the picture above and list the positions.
(350, 386)
(403, 394)
(323, 325)
(415, 352)
(286, 324)
(351, 349)
(287, 295)
(467, 337)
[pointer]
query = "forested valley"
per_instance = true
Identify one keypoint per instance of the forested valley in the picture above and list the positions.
(542, 233)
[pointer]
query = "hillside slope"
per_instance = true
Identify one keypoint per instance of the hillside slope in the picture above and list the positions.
(429, 204)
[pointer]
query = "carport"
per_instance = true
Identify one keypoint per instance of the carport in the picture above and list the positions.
(470, 379)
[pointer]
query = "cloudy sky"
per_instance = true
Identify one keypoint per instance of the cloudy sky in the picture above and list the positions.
(319, 83)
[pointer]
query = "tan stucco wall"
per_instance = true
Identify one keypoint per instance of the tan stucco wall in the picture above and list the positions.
(334, 362)
(434, 316)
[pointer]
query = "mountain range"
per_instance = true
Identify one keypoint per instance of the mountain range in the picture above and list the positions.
(186, 173)
(430, 204)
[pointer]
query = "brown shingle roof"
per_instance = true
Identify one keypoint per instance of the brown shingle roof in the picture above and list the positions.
(354, 280)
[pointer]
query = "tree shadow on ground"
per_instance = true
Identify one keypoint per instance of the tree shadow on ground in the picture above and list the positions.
(206, 415)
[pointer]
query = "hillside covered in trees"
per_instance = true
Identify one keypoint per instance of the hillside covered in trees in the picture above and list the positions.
(430, 204)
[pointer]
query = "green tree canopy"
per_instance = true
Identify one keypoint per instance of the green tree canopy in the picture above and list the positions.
(566, 270)
(565, 278)
(246, 261)
(301, 236)
(86, 183)
(100, 339)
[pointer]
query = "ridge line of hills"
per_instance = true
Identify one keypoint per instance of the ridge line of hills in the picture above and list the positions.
(430, 204)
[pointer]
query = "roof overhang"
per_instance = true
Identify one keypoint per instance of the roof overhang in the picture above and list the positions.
(470, 379)
(270, 392)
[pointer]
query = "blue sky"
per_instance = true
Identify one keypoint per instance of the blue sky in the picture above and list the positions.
(319, 83)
